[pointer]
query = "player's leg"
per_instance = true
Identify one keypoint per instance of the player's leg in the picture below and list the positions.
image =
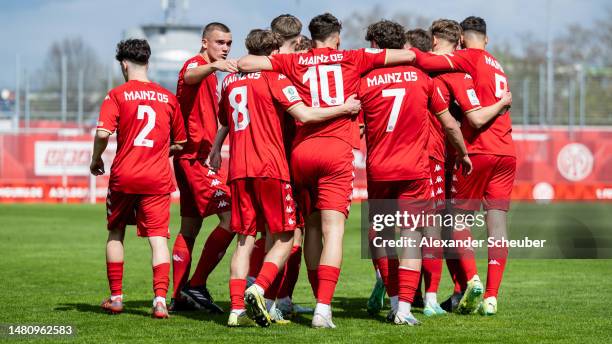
(497, 203)
(212, 196)
(119, 212)
(313, 246)
(409, 273)
(256, 260)
(292, 270)
(182, 250)
(432, 271)
(237, 284)
(152, 221)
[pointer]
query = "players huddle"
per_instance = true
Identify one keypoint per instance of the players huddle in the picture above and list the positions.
(293, 109)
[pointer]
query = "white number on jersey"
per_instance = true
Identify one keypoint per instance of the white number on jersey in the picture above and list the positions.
(239, 108)
(141, 140)
(398, 94)
(322, 77)
(501, 85)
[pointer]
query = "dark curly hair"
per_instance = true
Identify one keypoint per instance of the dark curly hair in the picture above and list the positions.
(263, 42)
(474, 24)
(419, 38)
(323, 26)
(386, 34)
(305, 44)
(134, 50)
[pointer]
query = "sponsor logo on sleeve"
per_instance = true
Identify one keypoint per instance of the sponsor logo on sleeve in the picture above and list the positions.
(473, 98)
(192, 65)
(373, 50)
(291, 93)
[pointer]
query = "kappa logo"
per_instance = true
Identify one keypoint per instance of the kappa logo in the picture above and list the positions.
(455, 178)
(288, 198)
(289, 209)
(438, 168)
(494, 262)
(219, 193)
(433, 194)
(210, 173)
(177, 258)
(291, 222)
(287, 186)
(222, 204)
(215, 182)
(453, 190)
(439, 191)
(438, 179)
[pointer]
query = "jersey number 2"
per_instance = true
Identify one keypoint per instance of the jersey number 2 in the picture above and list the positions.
(141, 140)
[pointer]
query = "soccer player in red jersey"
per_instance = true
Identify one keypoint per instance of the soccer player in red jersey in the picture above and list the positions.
(148, 122)
(492, 149)
(253, 106)
(396, 105)
(203, 192)
(325, 76)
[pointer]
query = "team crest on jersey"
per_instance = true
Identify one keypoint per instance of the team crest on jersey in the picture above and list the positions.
(373, 50)
(192, 65)
(473, 97)
(291, 93)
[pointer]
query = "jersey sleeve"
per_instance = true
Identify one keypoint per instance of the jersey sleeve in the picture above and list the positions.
(429, 62)
(367, 59)
(280, 62)
(465, 95)
(178, 126)
(109, 115)
(283, 91)
(439, 97)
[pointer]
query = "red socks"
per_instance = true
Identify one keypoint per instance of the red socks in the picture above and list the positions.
(266, 275)
(181, 263)
(212, 253)
(161, 279)
(272, 291)
(237, 287)
(257, 256)
(466, 256)
(453, 269)
(408, 282)
(497, 263)
(388, 272)
(432, 268)
(313, 278)
(292, 272)
(114, 273)
(328, 279)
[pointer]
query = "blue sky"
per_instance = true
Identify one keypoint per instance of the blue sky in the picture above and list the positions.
(30, 26)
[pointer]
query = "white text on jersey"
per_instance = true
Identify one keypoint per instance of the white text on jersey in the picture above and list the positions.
(145, 95)
(319, 59)
(389, 78)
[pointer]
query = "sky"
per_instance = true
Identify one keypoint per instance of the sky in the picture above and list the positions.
(29, 27)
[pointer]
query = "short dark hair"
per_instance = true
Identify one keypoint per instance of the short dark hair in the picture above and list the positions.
(472, 23)
(210, 27)
(263, 42)
(134, 50)
(323, 26)
(287, 26)
(419, 39)
(305, 44)
(387, 34)
(446, 29)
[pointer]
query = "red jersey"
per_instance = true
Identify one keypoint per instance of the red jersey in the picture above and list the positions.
(253, 105)
(396, 102)
(457, 90)
(327, 77)
(490, 82)
(146, 117)
(199, 104)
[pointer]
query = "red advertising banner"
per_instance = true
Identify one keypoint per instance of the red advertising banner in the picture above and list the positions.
(552, 163)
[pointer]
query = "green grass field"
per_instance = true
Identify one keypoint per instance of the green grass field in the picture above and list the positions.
(53, 272)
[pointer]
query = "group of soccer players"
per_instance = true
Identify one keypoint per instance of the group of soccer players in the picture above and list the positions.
(293, 109)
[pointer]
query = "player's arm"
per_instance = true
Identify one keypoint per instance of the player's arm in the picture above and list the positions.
(307, 114)
(254, 63)
(454, 136)
(100, 142)
(431, 62)
(399, 56)
(214, 157)
(478, 118)
(197, 74)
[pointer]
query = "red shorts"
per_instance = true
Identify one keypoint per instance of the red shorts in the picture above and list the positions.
(260, 201)
(438, 181)
(150, 213)
(203, 191)
(323, 174)
(490, 183)
(413, 196)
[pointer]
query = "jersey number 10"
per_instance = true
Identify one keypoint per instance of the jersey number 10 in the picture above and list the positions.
(320, 74)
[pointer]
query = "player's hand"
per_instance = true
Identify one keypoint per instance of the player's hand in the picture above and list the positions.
(353, 105)
(214, 160)
(466, 165)
(96, 167)
(229, 65)
(506, 98)
(175, 149)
